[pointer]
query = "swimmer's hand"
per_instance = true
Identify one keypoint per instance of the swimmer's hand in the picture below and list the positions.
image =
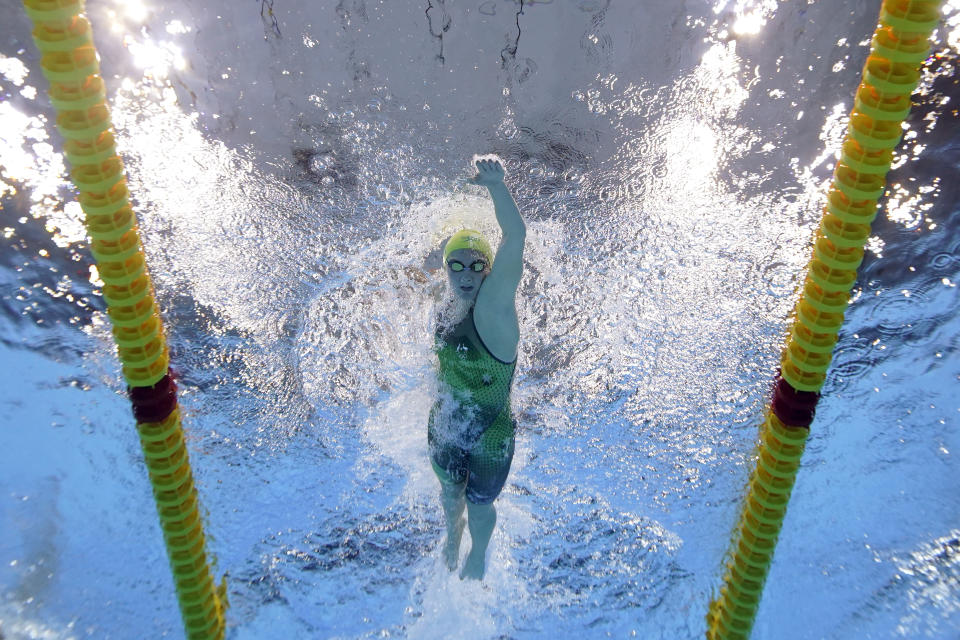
(489, 173)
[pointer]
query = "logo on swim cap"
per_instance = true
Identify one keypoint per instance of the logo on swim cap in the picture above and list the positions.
(468, 239)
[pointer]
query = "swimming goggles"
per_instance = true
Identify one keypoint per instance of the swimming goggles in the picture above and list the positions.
(477, 266)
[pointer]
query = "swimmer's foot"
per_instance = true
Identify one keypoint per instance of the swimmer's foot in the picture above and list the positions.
(474, 566)
(451, 547)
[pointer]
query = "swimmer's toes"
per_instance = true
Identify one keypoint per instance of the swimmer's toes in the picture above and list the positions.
(451, 560)
(473, 569)
(451, 556)
(451, 548)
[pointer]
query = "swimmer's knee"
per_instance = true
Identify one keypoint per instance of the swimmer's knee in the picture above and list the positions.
(455, 490)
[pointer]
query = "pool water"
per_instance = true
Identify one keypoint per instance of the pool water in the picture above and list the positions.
(296, 166)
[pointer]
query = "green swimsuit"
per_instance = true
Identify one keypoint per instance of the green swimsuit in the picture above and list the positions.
(471, 430)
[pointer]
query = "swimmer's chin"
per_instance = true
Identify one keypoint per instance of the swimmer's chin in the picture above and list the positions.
(466, 293)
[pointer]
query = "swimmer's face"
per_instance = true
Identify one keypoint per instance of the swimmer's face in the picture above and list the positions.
(466, 282)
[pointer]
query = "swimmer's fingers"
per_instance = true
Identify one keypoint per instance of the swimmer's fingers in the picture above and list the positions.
(489, 172)
(490, 166)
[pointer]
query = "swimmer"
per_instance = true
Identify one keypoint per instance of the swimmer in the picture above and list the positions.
(471, 428)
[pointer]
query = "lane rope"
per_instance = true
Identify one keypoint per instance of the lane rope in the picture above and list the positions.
(69, 61)
(900, 44)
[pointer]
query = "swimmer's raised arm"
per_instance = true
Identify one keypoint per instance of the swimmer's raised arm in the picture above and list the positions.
(509, 257)
(495, 312)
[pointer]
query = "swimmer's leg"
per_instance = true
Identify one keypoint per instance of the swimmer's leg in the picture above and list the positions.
(452, 492)
(481, 519)
(452, 498)
(449, 462)
(489, 465)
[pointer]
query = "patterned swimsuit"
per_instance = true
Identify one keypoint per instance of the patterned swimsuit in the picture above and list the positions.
(471, 430)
